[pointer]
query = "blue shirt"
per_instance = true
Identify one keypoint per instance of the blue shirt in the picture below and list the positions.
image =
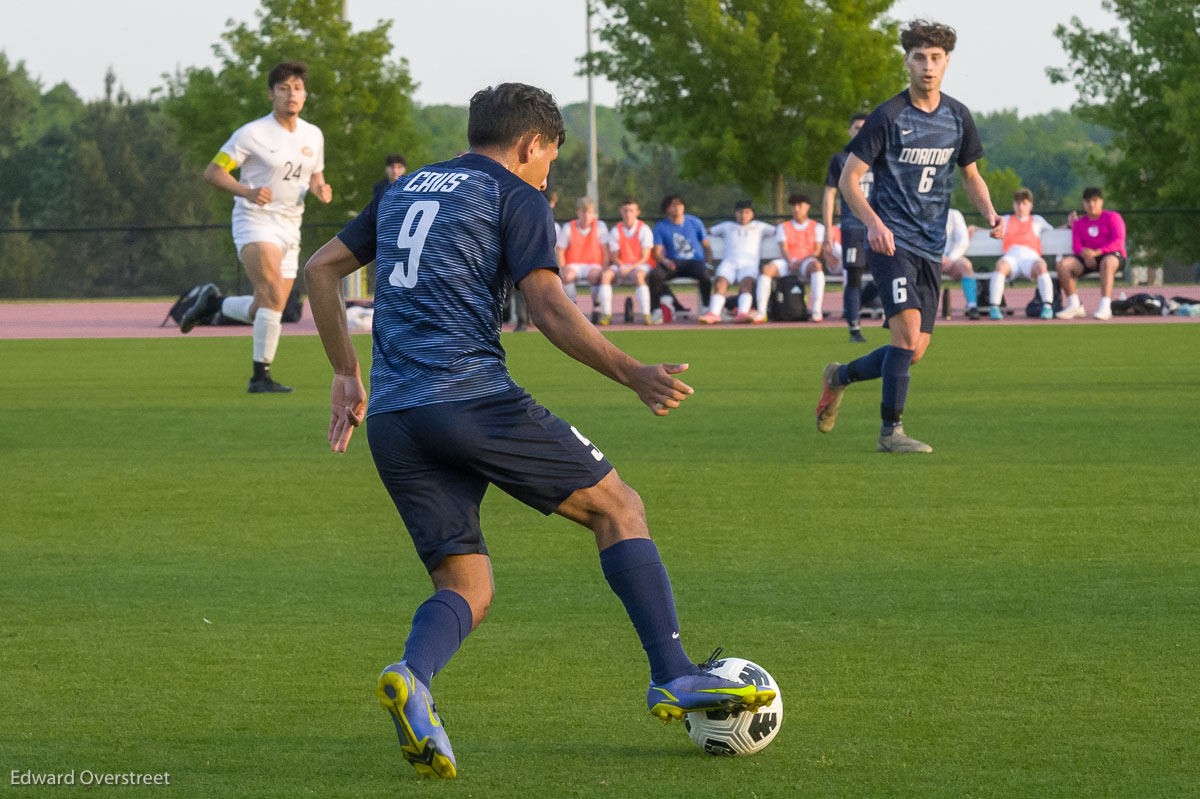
(449, 242)
(836, 164)
(913, 154)
(683, 242)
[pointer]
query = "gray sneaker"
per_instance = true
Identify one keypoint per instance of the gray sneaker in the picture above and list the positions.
(898, 442)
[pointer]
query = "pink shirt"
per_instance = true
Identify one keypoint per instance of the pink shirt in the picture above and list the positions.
(1106, 233)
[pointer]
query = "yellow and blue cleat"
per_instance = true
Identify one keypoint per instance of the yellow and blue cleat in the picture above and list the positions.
(423, 740)
(674, 699)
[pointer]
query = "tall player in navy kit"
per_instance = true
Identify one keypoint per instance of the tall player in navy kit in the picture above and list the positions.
(854, 233)
(911, 143)
(445, 418)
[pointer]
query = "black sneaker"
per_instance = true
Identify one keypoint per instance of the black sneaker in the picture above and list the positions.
(856, 336)
(265, 385)
(973, 313)
(201, 311)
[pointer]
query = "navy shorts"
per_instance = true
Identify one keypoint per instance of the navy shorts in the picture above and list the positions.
(854, 247)
(907, 280)
(437, 460)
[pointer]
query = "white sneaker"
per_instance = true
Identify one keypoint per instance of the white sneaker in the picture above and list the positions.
(817, 317)
(1104, 314)
(1072, 312)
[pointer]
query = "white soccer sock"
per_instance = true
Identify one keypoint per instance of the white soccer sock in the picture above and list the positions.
(816, 285)
(237, 308)
(605, 299)
(762, 293)
(643, 298)
(1105, 305)
(1073, 301)
(745, 300)
(716, 304)
(569, 287)
(267, 328)
(1046, 287)
(996, 288)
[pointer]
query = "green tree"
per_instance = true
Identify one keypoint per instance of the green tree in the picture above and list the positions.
(1053, 153)
(1001, 183)
(748, 91)
(358, 95)
(1140, 81)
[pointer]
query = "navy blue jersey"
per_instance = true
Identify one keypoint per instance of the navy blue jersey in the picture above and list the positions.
(449, 242)
(836, 164)
(913, 154)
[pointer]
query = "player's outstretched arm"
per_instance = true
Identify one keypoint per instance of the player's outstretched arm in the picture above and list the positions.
(560, 321)
(981, 198)
(347, 398)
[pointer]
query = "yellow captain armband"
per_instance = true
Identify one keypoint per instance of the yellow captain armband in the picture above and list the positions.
(223, 160)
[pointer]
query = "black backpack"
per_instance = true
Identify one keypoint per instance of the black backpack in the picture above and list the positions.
(1141, 305)
(787, 302)
(1034, 308)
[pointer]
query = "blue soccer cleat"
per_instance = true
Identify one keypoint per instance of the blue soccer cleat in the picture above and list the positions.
(994, 312)
(423, 740)
(674, 699)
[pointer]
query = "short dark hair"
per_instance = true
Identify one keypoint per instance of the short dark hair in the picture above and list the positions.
(796, 199)
(670, 198)
(396, 158)
(1023, 194)
(743, 205)
(629, 199)
(861, 115)
(1092, 191)
(288, 69)
(500, 115)
(923, 33)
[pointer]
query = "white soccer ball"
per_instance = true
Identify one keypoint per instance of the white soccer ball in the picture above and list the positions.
(726, 734)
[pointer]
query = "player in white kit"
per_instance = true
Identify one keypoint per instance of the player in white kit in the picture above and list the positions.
(743, 245)
(281, 158)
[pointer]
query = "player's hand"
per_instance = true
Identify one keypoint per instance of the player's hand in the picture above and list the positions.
(880, 238)
(260, 196)
(996, 223)
(1072, 217)
(655, 386)
(347, 404)
(324, 192)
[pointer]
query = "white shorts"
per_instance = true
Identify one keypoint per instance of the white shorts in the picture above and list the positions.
(736, 271)
(781, 265)
(582, 271)
(1021, 260)
(282, 231)
(629, 278)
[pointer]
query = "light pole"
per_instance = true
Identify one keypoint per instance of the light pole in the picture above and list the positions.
(593, 185)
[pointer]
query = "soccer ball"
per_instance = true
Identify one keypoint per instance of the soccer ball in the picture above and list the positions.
(726, 734)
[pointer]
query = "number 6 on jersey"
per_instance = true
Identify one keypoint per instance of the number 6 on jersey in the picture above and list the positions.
(421, 213)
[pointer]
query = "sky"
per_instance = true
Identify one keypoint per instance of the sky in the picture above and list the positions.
(454, 47)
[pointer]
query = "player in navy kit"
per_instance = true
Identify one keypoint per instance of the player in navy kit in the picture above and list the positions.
(854, 233)
(445, 418)
(911, 143)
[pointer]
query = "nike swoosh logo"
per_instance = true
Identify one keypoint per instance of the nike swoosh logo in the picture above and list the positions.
(432, 718)
(674, 635)
(902, 133)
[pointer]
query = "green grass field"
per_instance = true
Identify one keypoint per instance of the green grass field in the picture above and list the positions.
(192, 583)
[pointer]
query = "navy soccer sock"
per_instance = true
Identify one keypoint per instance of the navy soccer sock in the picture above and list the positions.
(868, 367)
(895, 385)
(637, 576)
(852, 306)
(438, 629)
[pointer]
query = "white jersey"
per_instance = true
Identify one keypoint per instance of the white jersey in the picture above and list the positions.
(957, 238)
(268, 154)
(743, 243)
